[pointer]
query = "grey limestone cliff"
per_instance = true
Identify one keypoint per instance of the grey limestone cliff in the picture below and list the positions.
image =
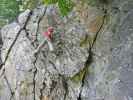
(92, 57)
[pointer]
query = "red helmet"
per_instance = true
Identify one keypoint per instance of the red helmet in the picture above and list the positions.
(50, 29)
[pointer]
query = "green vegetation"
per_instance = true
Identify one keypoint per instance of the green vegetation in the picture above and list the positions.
(65, 6)
(79, 76)
(50, 1)
(8, 11)
(27, 4)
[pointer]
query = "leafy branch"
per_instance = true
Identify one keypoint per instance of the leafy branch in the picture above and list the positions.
(65, 6)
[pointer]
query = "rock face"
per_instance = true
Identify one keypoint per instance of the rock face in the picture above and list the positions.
(92, 57)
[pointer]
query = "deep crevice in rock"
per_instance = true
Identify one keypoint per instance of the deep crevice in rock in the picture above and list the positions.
(41, 90)
(9, 86)
(90, 52)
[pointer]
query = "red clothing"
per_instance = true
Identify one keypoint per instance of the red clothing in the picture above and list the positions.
(50, 29)
(48, 35)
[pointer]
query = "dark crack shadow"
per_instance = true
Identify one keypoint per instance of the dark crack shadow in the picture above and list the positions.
(41, 90)
(34, 44)
(9, 86)
(91, 54)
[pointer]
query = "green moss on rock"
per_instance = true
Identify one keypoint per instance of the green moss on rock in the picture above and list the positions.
(79, 76)
(85, 41)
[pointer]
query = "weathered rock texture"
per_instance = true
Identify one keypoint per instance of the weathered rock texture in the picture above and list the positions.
(92, 57)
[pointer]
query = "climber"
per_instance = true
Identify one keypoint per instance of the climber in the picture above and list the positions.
(47, 38)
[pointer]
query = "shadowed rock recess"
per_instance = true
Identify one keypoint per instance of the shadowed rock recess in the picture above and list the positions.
(92, 57)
